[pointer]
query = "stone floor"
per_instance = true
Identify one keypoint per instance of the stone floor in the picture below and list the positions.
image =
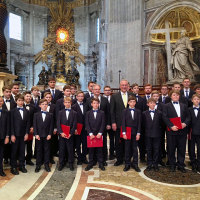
(111, 184)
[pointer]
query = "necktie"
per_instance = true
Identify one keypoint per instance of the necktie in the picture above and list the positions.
(35, 102)
(7, 100)
(175, 102)
(0, 110)
(132, 109)
(124, 99)
(53, 94)
(163, 99)
(152, 111)
(67, 109)
(44, 112)
(20, 109)
(148, 96)
(187, 95)
(92, 95)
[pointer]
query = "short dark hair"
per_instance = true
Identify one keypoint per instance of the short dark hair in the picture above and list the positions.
(133, 85)
(174, 91)
(155, 92)
(131, 97)
(19, 96)
(73, 85)
(27, 92)
(51, 78)
(67, 99)
(35, 88)
(46, 93)
(95, 99)
(176, 83)
(42, 101)
(15, 83)
(148, 85)
(151, 100)
(164, 85)
(79, 92)
(195, 95)
(66, 87)
(196, 86)
(107, 86)
(6, 88)
(90, 82)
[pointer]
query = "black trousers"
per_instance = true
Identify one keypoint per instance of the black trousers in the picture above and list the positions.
(54, 146)
(29, 150)
(131, 150)
(1, 154)
(66, 147)
(153, 150)
(119, 146)
(105, 148)
(99, 154)
(43, 151)
(141, 144)
(84, 144)
(77, 146)
(176, 142)
(18, 151)
(7, 151)
(195, 140)
(111, 134)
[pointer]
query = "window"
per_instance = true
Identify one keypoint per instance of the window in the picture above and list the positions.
(15, 26)
(98, 29)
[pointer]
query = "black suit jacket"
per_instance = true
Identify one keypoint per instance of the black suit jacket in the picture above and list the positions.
(80, 115)
(62, 119)
(128, 121)
(37, 105)
(167, 99)
(182, 99)
(140, 103)
(43, 128)
(12, 104)
(153, 128)
(195, 122)
(58, 95)
(93, 125)
(19, 126)
(4, 124)
(32, 110)
(116, 108)
(190, 104)
(170, 112)
(104, 106)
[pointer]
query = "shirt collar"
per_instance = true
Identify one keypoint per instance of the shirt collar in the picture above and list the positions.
(186, 89)
(195, 106)
(122, 93)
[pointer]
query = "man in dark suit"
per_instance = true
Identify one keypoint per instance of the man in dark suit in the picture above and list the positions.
(67, 117)
(4, 133)
(31, 108)
(95, 126)
(80, 107)
(152, 123)
(104, 106)
(89, 93)
(56, 94)
(107, 94)
(35, 97)
(20, 127)
(131, 117)
(176, 137)
(14, 90)
(43, 129)
(118, 102)
(164, 98)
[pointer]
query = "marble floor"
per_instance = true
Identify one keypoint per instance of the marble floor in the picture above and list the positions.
(112, 184)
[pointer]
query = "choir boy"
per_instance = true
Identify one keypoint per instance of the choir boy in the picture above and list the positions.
(35, 97)
(73, 91)
(4, 133)
(20, 127)
(152, 122)
(14, 90)
(67, 117)
(177, 118)
(95, 126)
(131, 117)
(43, 129)
(195, 133)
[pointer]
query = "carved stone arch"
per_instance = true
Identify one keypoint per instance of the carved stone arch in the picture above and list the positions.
(194, 4)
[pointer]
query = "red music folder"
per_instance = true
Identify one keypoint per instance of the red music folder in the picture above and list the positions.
(30, 136)
(128, 133)
(79, 128)
(65, 129)
(94, 142)
(177, 122)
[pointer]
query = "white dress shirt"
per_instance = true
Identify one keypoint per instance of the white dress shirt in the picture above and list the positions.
(196, 111)
(81, 106)
(7, 104)
(152, 113)
(21, 111)
(43, 115)
(188, 92)
(177, 108)
(1, 110)
(67, 112)
(108, 97)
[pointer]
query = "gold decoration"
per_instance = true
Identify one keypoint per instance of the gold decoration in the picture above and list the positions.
(60, 45)
(181, 17)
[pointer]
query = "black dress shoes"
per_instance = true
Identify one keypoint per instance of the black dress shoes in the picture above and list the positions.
(60, 167)
(79, 163)
(118, 163)
(85, 161)
(105, 163)
(162, 163)
(2, 173)
(111, 157)
(148, 168)
(182, 169)
(136, 168)
(52, 161)
(126, 168)
(71, 167)
(23, 169)
(14, 171)
(89, 167)
(102, 167)
(47, 168)
(37, 169)
(172, 169)
(156, 169)
(29, 162)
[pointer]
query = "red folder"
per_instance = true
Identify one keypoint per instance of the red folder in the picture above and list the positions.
(30, 136)
(96, 142)
(79, 128)
(177, 122)
(128, 133)
(65, 129)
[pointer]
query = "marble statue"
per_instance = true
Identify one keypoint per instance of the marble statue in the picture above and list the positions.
(182, 59)
(43, 77)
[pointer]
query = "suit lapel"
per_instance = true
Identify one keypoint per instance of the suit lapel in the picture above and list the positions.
(173, 109)
(149, 116)
(120, 99)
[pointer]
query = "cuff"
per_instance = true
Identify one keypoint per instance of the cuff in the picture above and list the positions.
(90, 134)
(55, 129)
(124, 133)
(138, 133)
(100, 133)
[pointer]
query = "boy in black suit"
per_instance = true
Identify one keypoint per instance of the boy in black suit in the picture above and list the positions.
(95, 126)
(4, 133)
(176, 136)
(131, 117)
(80, 108)
(73, 90)
(31, 108)
(35, 97)
(195, 133)
(20, 127)
(43, 129)
(67, 117)
(152, 123)
(51, 108)
(56, 94)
